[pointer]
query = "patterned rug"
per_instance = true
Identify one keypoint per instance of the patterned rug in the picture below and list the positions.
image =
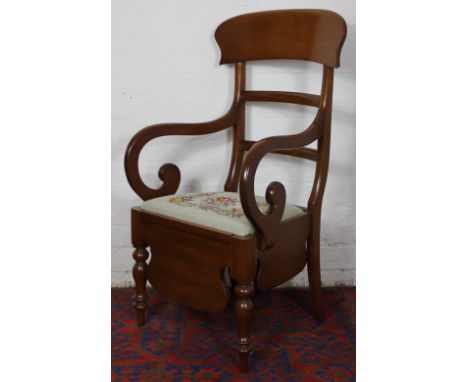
(179, 344)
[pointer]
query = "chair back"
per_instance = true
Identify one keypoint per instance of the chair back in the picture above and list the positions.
(298, 34)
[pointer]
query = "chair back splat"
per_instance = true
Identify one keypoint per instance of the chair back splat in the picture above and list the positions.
(198, 239)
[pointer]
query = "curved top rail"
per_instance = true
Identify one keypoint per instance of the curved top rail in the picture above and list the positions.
(301, 34)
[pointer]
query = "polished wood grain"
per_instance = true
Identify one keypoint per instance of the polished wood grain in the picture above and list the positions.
(140, 298)
(301, 152)
(187, 268)
(244, 308)
(169, 173)
(238, 134)
(189, 261)
(301, 34)
(267, 225)
(287, 257)
(280, 96)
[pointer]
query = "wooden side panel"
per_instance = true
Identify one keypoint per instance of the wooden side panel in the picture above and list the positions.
(187, 267)
(288, 256)
(301, 34)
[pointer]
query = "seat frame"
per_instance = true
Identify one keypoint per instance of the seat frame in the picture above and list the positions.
(188, 260)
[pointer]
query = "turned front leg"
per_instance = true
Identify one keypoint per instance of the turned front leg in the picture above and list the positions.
(244, 307)
(140, 299)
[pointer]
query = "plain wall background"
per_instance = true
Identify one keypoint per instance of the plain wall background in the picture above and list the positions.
(165, 69)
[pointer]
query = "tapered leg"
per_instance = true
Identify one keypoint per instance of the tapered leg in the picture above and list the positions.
(244, 307)
(140, 298)
(313, 271)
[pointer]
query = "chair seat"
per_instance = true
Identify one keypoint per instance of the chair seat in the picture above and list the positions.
(220, 210)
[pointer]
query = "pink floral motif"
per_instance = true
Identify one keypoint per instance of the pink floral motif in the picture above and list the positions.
(225, 205)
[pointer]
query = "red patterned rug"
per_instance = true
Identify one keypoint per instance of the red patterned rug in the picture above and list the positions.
(179, 344)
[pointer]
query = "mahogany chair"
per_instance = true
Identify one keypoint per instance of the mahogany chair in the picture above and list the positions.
(202, 242)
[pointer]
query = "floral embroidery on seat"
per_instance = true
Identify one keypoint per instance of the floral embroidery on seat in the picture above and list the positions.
(215, 202)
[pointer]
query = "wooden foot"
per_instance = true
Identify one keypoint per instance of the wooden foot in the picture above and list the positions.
(140, 298)
(316, 295)
(244, 307)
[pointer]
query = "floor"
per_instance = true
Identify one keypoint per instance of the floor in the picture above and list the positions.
(180, 344)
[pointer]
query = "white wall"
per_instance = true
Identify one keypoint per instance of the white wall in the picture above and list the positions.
(164, 69)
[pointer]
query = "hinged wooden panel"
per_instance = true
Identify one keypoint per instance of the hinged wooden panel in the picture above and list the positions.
(187, 267)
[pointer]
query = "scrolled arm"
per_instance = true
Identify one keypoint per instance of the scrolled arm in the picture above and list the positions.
(267, 224)
(169, 173)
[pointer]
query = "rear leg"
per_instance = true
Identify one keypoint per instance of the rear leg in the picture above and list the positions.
(313, 272)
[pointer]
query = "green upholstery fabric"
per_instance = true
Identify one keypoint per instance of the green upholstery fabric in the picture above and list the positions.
(219, 210)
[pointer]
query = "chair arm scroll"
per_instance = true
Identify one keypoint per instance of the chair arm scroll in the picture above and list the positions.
(169, 173)
(267, 224)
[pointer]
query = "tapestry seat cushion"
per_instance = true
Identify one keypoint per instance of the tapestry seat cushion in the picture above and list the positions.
(218, 210)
